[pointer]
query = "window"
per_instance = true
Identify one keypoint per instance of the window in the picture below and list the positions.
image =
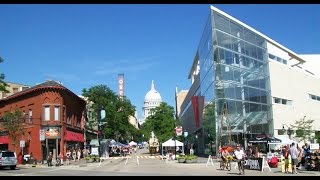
(47, 113)
(14, 90)
(284, 101)
(57, 113)
(277, 100)
(30, 116)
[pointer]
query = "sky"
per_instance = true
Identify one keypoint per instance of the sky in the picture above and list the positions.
(86, 45)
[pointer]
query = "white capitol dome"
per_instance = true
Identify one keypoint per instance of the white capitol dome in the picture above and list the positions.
(152, 95)
(151, 101)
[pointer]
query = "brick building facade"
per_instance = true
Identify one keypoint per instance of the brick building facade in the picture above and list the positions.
(53, 120)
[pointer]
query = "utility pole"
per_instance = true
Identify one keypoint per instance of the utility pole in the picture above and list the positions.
(174, 124)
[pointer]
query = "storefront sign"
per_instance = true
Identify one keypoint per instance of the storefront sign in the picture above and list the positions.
(52, 132)
(253, 164)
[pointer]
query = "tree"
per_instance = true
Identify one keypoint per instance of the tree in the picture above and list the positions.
(317, 136)
(304, 128)
(117, 109)
(13, 122)
(3, 84)
(161, 122)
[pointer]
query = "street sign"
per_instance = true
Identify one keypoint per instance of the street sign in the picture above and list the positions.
(103, 114)
(42, 135)
(179, 130)
(22, 143)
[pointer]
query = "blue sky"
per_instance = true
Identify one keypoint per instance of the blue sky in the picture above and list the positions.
(86, 45)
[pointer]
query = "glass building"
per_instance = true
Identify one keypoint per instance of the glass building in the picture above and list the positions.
(232, 85)
(246, 85)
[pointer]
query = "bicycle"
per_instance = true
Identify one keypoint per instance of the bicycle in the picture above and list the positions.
(225, 164)
(241, 166)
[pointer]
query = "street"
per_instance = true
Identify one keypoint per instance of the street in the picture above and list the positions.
(144, 165)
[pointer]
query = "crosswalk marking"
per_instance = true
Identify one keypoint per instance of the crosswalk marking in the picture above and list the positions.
(141, 157)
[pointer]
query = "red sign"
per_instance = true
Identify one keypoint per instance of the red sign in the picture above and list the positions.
(178, 130)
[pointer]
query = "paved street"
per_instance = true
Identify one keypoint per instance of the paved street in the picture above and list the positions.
(147, 167)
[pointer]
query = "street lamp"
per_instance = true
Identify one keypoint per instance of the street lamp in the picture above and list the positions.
(288, 131)
(102, 115)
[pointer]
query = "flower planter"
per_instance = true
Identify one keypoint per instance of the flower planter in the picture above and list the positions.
(181, 160)
(189, 160)
(90, 160)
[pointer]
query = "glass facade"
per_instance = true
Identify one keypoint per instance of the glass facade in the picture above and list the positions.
(234, 81)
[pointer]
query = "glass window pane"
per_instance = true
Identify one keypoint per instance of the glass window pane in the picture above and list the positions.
(56, 113)
(236, 29)
(47, 113)
(222, 23)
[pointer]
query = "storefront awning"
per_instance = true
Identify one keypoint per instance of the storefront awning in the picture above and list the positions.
(73, 136)
(4, 139)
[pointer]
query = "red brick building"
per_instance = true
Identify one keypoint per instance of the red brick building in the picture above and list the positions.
(53, 119)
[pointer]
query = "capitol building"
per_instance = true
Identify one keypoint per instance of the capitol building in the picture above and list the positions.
(151, 100)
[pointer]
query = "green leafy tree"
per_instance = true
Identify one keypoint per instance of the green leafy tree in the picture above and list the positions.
(13, 123)
(161, 122)
(303, 128)
(117, 110)
(317, 136)
(3, 84)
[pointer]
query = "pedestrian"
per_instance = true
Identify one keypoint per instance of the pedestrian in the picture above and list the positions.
(294, 157)
(49, 159)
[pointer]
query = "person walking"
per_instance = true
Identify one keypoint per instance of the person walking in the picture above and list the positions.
(49, 159)
(294, 157)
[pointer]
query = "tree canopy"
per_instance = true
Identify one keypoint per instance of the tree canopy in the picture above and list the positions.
(13, 122)
(303, 128)
(118, 110)
(161, 122)
(3, 84)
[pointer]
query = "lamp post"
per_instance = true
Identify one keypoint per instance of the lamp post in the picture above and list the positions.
(102, 115)
(288, 131)
(174, 138)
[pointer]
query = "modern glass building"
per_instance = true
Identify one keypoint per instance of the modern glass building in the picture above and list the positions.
(230, 99)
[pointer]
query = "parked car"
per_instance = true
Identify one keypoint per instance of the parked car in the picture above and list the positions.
(8, 159)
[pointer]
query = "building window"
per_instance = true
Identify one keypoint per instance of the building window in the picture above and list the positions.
(314, 97)
(282, 101)
(30, 116)
(281, 132)
(47, 113)
(56, 113)
(14, 90)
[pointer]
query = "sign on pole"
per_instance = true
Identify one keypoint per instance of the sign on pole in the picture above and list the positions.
(42, 135)
(179, 130)
(22, 143)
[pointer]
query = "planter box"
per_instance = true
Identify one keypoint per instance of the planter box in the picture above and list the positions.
(181, 160)
(90, 160)
(189, 160)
